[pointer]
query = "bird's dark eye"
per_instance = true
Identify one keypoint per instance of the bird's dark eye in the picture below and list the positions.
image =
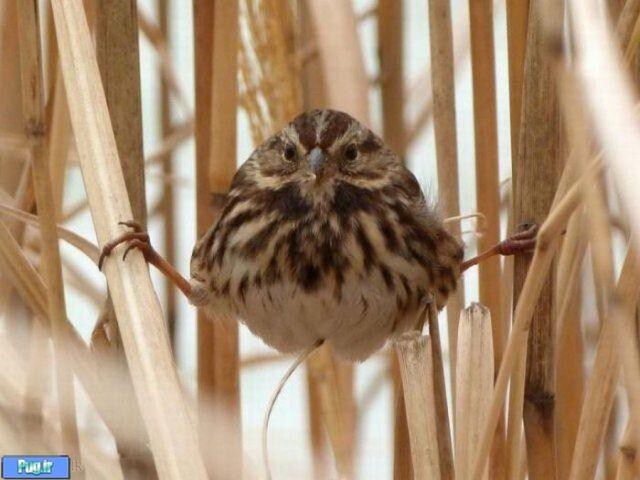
(289, 152)
(351, 151)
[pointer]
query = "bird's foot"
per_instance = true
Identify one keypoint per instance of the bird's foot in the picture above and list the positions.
(137, 238)
(523, 241)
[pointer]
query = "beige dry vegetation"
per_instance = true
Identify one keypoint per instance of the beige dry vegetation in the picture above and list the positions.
(526, 402)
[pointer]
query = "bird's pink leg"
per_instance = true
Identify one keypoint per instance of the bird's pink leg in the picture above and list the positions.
(519, 242)
(139, 239)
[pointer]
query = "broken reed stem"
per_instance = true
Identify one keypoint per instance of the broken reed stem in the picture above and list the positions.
(602, 383)
(33, 111)
(444, 119)
(172, 439)
(474, 379)
(445, 449)
(416, 368)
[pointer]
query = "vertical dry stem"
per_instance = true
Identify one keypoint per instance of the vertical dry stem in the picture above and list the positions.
(168, 203)
(487, 182)
(416, 367)
(445, 450)
(444, 119)
(533, 192)
(118, 59)
(218, 362)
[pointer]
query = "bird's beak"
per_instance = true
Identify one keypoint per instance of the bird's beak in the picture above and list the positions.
(316, 159)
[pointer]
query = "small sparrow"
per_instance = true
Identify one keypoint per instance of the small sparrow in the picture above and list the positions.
(325, 236)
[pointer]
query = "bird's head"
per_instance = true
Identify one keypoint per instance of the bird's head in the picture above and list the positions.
(320, 149)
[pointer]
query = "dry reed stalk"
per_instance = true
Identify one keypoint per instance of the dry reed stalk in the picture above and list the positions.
(91, 372)
(474, 378)
(417, 369)
(445, 450)
(322, 368)
(335, 27)
(216, 42)
(444, 119)
(15, 176)
(615, 8)
(11, 121)
(611, 110)
(33, 111)
(601, 386)
(390, 53)
(419, 89)
(269, 66)
(402, 464)
(171, 436)
(487, 183)
(569, 358)
(534, 184)
(36, 382)
(546, 245)
(168, 202)
(118, 59)
(517, 23)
